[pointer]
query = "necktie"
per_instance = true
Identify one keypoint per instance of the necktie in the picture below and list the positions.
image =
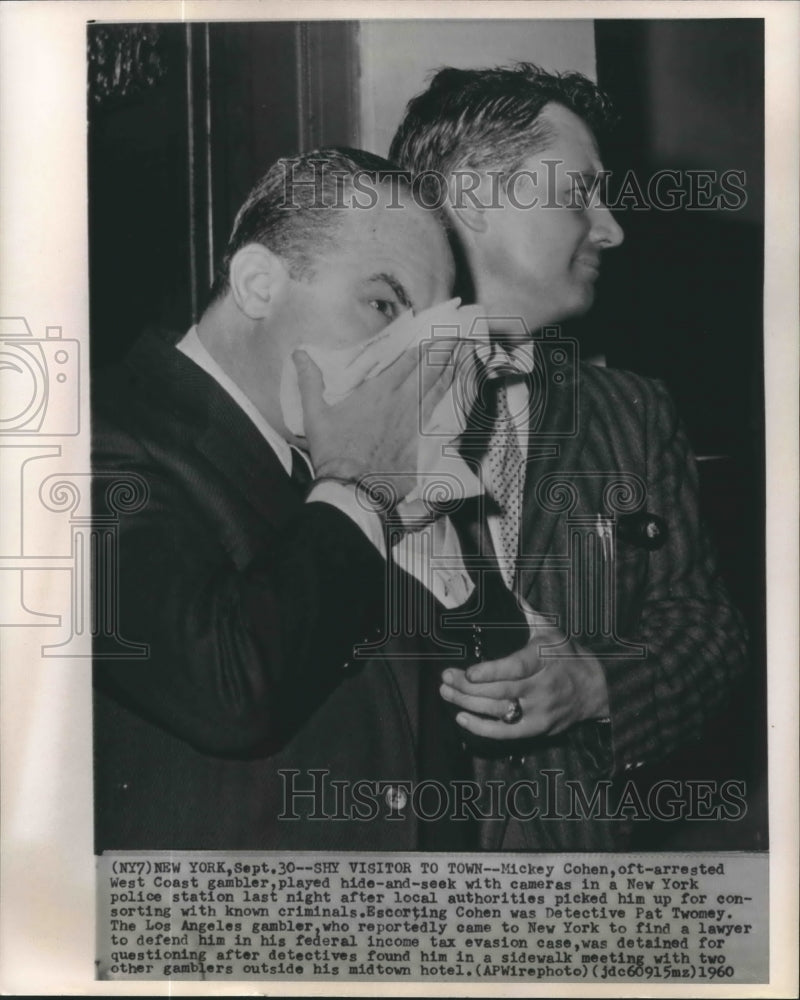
(504, 465)
(301, 471)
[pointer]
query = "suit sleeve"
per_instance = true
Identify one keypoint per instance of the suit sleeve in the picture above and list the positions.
(694, 640)
(243, 646)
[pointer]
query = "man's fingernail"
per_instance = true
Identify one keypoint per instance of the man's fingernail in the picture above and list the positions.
(447, 677)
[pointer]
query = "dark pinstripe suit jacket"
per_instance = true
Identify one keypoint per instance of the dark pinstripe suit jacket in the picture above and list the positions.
(609, 443)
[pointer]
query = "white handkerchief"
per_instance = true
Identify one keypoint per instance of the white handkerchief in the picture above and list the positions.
(441, 472)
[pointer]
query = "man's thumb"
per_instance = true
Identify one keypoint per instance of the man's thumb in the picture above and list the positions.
(309, 381)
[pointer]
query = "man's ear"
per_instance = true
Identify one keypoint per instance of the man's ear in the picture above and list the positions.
(256, 275)
(468, 195)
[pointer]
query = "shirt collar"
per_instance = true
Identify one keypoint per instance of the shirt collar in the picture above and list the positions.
(504, 362)
(193, 348)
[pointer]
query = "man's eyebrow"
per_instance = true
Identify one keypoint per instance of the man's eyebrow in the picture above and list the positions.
(396, 286)
(591, 181)
(590, 175)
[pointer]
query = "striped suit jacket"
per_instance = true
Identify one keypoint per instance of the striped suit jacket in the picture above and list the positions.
(603, 445)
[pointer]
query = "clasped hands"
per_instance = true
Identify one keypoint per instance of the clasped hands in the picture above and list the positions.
(554, 692)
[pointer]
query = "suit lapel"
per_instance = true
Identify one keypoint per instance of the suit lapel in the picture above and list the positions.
(555, 438)
(220, 430)
(249, 464)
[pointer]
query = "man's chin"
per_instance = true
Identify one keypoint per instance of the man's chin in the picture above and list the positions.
(518, 323)
(583, 301)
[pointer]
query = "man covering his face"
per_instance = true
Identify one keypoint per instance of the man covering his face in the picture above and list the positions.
(255, 571)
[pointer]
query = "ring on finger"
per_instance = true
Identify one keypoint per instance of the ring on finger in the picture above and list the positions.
(513, 713)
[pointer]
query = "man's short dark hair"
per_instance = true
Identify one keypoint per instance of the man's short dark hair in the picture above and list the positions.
(489, 119)
(297, 206)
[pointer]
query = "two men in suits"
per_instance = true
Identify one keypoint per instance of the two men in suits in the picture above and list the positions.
(639, 645)
(252, 723)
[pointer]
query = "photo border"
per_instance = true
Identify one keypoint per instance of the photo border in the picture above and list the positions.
(47, 934)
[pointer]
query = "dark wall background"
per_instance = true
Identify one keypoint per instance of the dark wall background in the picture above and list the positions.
(183, 120)
(682, 300)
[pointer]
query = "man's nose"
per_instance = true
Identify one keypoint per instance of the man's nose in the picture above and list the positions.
(606, 231)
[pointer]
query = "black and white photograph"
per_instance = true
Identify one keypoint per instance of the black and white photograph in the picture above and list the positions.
(267, 674)
(396, 549)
